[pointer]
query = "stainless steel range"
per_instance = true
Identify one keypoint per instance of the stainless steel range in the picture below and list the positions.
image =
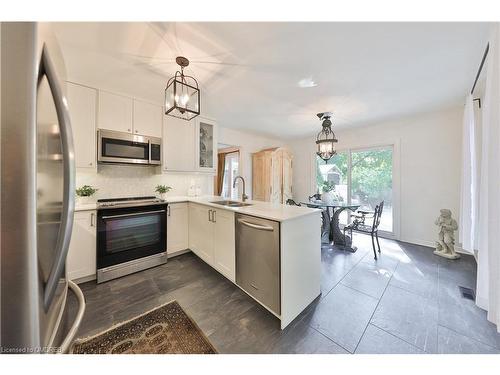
(131, 235)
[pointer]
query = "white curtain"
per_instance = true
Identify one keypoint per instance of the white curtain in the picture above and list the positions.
(469, 196)
(488, 278)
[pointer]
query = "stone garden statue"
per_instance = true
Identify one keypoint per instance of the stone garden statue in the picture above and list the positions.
(446, 240)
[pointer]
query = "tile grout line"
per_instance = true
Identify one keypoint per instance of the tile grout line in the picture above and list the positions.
(336, 343)
(376, 307)
(399, 338)
(343, 277)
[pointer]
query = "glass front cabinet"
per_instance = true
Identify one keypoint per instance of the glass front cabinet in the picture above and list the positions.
(206, 144)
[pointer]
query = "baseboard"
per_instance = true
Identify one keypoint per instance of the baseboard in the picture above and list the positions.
(432, 245)
(177, 253)
(84, 279)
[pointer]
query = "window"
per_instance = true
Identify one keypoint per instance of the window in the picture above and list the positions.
(360, 176)
(231, 167)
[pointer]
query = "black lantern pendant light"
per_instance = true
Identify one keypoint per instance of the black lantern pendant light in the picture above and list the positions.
(182, 95)
(326, 138)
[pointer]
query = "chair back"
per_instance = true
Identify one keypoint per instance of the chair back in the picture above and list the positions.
(376, 215)
(291, 202)
(316, 196)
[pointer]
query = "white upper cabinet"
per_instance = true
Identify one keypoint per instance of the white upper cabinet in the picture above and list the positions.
(206, 144)
(82, 102)
(115, 112)
(178, 144)
(147, 119)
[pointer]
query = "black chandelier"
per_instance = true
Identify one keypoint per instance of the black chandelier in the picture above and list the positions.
(182, 95)
(326, 138)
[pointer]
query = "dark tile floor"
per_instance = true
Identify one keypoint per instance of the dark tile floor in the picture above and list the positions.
(406, 302)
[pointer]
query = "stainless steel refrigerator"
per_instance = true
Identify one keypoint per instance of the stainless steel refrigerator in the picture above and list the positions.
(37, 193)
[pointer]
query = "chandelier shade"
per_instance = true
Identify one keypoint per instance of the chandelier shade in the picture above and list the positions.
(325, 140)
(182, 94)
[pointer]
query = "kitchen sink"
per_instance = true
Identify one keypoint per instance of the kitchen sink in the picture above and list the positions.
(231, 203)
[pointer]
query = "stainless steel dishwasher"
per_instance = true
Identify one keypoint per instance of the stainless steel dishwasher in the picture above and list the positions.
(258, 259)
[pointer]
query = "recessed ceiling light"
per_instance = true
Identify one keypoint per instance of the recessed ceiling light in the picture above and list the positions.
(307, 82)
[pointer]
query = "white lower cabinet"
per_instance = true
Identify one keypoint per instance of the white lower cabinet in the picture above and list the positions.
(201, 232)
(211, 237)
(224, 244)
(177, 227)
(81, 260)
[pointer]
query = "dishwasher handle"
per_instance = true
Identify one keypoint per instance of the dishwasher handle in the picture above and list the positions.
(256, 226)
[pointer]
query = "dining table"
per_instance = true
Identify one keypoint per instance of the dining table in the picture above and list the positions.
(331, 222)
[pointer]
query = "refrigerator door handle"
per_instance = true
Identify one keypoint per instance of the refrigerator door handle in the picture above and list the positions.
(79, 315)
(62, 246)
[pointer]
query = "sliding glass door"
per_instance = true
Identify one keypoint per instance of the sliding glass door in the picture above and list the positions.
(360, 176)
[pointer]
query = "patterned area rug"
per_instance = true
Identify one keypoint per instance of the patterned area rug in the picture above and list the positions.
(166, 329)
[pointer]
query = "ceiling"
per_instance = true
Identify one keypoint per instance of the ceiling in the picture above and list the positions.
(249, 72)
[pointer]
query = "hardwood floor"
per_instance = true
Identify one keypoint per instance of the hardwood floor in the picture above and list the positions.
(406, 302)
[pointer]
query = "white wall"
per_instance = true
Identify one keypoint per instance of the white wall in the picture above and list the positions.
(248, 144)
(429, 167)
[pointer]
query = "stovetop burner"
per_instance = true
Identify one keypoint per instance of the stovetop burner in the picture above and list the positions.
(129, 201)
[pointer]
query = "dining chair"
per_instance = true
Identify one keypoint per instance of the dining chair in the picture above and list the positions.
(359, 225)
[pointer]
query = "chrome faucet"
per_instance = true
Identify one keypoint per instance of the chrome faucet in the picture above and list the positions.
(244, 197)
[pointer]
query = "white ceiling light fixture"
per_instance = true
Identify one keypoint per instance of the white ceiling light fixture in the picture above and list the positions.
(182, 95)
(307, 83)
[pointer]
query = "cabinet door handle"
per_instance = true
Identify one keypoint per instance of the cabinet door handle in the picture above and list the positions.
(209, 215)
(92, 216)
(214, 216)
(168, 210)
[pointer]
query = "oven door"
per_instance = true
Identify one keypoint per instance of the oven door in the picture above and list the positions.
(155, 151)
(125, 234)
(118, 147)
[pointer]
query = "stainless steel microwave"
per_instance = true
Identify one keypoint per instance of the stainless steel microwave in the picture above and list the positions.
(126, 148)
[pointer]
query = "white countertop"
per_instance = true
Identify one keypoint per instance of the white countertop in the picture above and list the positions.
(266, 210)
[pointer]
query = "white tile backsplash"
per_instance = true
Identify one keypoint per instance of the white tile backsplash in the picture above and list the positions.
(115, 181)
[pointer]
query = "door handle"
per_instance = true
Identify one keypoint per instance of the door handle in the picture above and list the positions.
(214, 216)
(46, 68)
(92, 215)
(256, 226)
(168, 210)
(78, 320)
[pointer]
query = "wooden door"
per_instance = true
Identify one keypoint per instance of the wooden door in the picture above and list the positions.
(261, 172)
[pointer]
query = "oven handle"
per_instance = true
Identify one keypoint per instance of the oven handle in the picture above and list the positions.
(133, 214)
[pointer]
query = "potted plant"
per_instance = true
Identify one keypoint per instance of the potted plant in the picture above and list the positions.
(328, 196)
(162, 190)
(84, 194)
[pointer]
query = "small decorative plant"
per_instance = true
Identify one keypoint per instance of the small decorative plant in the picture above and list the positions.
(327, 186)
(86, 191)
(162, 189)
